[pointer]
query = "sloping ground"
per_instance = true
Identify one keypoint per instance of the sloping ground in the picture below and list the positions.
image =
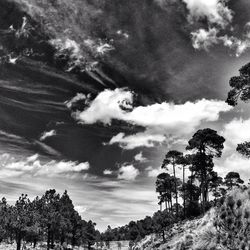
(4, 246)
(192, 234)
(222, 228)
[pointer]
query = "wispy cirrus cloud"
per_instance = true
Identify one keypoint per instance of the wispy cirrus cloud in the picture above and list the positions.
(47, 134)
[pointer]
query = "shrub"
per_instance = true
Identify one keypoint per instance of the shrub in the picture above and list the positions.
(233, 222)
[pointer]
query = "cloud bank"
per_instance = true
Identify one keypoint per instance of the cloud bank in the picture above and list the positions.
(160, 120)
(32, 166)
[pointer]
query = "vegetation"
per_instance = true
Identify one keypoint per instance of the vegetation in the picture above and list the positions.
(51, 218)
(233, 225)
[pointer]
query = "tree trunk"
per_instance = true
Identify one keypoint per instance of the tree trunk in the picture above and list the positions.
(166, 205)
(171, 203)
(203, 191)
(18, 241)
(176, 194)
(89, 246)
(184, 193)
(48, 239)
(163, 236)
(52, 240)
(34, 243)
(73, 241)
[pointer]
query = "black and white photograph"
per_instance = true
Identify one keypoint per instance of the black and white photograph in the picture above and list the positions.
(125, 124)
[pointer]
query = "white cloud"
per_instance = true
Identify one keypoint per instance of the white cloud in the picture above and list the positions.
(235, 132)
(154, 172)
(159, 119)
(66, 44)
(9, 135)
(128, 173)
(75, 99)
(140, 158)
(47, 134)
(117, 104)
(80, 209)
(98, 47)
(32, 158)
(219, 18)
(236, 44)
(215, 11)
(107, 172)
(236, 163)
(10, 167)
(137, 140)
(204, 39)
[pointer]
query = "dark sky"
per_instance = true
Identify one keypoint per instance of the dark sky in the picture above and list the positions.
(93, 94)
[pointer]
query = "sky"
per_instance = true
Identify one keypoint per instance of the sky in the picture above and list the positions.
(93, 95)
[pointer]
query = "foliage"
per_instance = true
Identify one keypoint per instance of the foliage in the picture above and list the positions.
(51, 217)
(233, 224)
(244, 149)
(136, 230)
(240, 86)
(233, 179)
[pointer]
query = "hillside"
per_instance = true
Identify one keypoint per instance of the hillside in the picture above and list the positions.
(222, 227)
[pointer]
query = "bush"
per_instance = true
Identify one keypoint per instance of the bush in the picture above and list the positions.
(233, 222)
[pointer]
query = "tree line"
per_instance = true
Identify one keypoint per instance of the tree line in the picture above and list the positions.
(51, 218)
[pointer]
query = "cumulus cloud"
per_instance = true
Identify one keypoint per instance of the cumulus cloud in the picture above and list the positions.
(220, 22)
(107, 172)
(143, 139)
(215, 11)
(47, 134)
(128, 173)
(153, 172)
(140, 158)
(236, 131)
(11, 167)
(236, 44)
(75, 99)
(160, 120)
(204, 39)
(234, 162)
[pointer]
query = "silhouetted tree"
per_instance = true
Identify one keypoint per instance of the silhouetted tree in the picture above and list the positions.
(240, 86)
(244, 149)
(173, 158)
(232, 179)
(165, 186)
(89, 233)
(206, 144)
(215, 183)
(184, 161)
(161, 221)
(21, 219)
(50, 215)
